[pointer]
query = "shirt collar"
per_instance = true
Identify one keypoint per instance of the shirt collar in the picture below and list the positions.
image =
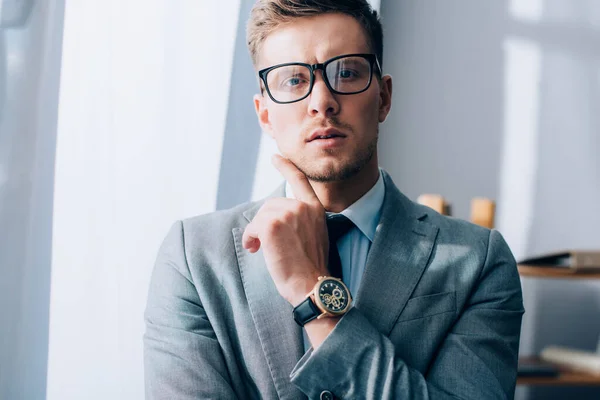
(364, 212)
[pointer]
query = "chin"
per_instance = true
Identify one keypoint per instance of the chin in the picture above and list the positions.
(332, 172)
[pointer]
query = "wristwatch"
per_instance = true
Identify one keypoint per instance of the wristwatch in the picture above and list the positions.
(329, 298)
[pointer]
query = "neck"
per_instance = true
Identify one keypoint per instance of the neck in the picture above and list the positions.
(337, 196)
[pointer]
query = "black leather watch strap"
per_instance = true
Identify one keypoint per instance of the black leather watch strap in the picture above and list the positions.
(306, 312)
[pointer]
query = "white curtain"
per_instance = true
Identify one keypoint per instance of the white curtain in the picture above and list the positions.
(143, 100)
(30, 43)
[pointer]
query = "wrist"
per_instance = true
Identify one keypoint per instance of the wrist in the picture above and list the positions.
(321, 323)
(317, 330)
(298, 291)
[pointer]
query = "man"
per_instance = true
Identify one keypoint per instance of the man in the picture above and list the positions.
(427, 306)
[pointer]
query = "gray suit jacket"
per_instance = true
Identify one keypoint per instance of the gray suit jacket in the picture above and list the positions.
(438, 315)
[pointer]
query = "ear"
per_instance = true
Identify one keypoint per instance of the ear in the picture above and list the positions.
(262, 112)
(385, 97)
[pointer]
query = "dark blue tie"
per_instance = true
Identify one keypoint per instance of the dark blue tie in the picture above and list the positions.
(337, 226)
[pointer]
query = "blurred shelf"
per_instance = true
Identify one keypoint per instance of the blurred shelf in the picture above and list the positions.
(566, 376)
(555, 272)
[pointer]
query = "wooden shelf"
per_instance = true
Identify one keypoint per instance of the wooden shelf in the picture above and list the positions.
(555, 272)
(566, 377)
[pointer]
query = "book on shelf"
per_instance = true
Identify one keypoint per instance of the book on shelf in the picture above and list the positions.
(534, 368)
(585, 361)
(574, 260)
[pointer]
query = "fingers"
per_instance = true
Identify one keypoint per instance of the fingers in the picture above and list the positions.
(250, 240)
(297, 180)
(281, 210)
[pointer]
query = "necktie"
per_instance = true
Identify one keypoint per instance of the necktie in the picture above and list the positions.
(337, 226)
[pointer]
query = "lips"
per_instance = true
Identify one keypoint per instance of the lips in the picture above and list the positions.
(321, 134)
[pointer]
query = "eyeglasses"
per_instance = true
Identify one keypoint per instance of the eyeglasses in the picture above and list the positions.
(346, 74)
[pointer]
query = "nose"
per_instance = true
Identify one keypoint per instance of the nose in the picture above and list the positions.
(321, 100)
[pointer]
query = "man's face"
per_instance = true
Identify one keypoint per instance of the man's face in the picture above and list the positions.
(356, 117)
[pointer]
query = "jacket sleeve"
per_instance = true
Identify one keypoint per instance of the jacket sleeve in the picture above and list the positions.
(182, 357)
(477, 360)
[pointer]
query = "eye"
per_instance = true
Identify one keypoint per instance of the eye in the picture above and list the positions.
(294, 81)
(347, 74)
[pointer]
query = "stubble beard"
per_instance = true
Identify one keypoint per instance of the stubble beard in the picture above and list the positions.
(346, 171)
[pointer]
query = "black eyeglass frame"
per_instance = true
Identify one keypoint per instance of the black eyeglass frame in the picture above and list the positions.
(372, 58)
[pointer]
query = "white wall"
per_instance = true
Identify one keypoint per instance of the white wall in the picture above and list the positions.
(29, 71)
(501, 99)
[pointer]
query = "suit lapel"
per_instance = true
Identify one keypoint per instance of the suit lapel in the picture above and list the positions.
(398, 257)
(280, 336)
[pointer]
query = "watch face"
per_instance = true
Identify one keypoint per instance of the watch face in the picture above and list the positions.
(333, 296)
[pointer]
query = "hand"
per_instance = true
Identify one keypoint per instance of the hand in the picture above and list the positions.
(292, 234)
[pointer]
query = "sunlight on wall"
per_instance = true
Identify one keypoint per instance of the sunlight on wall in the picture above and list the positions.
(526, 10)
(142, 111)
(519, 152)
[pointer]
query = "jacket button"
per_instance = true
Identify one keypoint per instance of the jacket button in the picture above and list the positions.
(326, 395)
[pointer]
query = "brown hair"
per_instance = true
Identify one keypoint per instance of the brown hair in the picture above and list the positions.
(267, 15)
